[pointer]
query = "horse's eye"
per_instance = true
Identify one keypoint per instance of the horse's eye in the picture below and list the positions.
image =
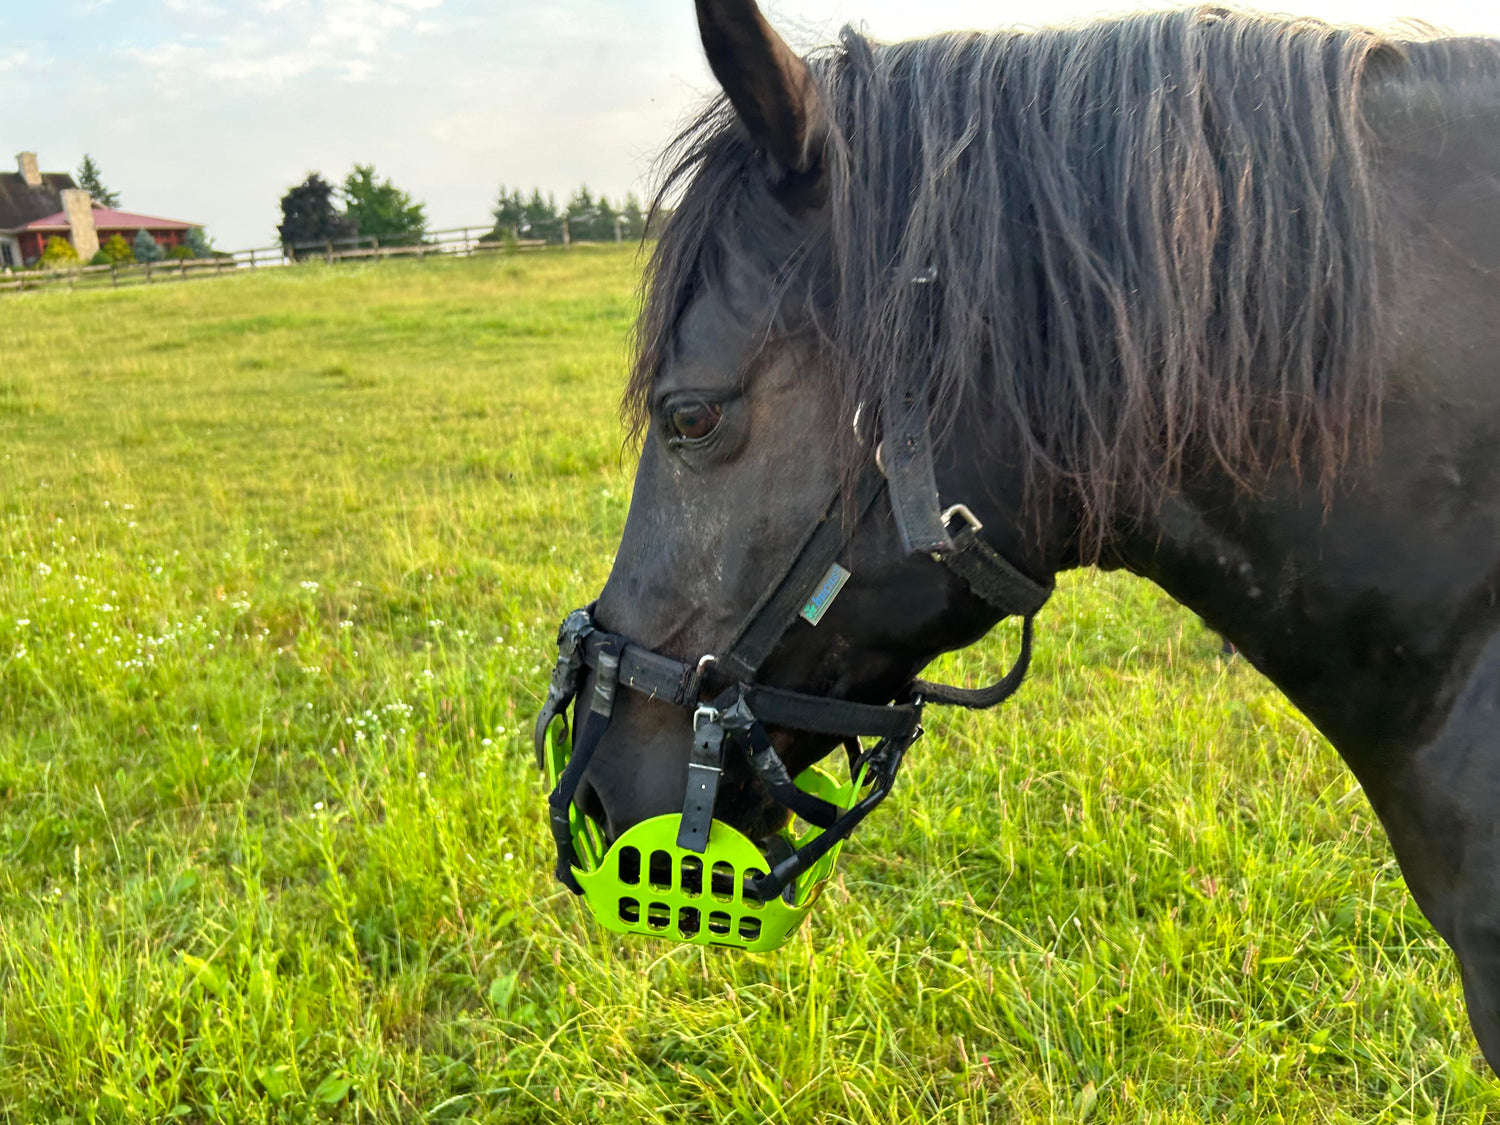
(694, 419)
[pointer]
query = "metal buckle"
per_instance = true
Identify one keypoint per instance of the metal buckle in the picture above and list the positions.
(704, 714)
(962, 510)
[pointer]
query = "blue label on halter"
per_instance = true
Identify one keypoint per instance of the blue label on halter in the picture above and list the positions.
(823, 596)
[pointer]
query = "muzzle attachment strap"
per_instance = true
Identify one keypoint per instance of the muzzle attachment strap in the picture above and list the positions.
(705, 766)
(768, 767)
(590, 734)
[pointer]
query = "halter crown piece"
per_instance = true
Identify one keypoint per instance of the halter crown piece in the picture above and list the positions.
(689, 876)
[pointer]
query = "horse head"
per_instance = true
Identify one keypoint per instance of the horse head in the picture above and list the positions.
(764, 551)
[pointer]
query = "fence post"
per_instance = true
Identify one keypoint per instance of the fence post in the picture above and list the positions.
(567, 240)
(114, 275)
(148, 274)
(328, 253)
(619, 222)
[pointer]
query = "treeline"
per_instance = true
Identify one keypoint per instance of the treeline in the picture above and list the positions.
(316, 213)
(585, 217)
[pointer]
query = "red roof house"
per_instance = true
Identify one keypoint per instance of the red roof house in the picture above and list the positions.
(127, 224)
(37, 205)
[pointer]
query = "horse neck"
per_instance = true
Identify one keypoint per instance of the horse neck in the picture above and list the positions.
(1364, 610)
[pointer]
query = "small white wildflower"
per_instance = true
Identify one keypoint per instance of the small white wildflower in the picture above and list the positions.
(486, 742)
(318, 805)
(509, 856)
(421, 775)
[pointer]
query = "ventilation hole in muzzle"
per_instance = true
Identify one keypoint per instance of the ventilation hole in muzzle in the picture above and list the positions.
(747, 888)
(691, 874)
(687, 921)
(661, 871)
(630, 911)
(721, 882)
(749, 928)
(718, 922)
(630, 866)
(658, 916)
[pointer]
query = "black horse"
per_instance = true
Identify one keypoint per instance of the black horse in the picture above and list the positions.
(1210, 297)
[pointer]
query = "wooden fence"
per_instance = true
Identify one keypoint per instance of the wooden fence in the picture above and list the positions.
(456, 242)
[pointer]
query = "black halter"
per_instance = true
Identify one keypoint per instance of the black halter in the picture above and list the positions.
(737, 715)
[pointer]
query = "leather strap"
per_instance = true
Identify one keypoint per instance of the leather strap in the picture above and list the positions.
(992, 578)
(671, 681)
(981, 699)
(768, 767)
(769, 619)
(705, 766)
(907, 459)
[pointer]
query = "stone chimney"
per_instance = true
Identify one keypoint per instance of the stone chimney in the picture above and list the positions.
(79, 209)
(26, 161)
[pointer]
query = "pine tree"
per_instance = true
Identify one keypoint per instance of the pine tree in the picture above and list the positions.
(89, 180)
(539, 218)
(509, 211)
(145, 248)
(199, 243)
(634, 218)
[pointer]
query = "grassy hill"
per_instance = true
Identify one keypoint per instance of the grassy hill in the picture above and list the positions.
(281, 558)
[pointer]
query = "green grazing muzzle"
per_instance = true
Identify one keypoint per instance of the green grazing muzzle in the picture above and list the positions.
(645, 883)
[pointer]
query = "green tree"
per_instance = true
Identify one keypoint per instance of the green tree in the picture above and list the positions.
(309, 216)
(380, 209)
(90, 181)
(117, 250)
(145, 248)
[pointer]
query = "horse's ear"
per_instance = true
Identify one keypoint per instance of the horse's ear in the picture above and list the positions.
(768, 84)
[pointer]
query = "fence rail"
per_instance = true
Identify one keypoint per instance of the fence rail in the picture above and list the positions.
(455, 242)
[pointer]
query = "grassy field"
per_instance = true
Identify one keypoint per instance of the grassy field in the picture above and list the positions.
(281, 559)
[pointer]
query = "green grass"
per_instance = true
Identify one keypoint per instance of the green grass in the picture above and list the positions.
(281, 559)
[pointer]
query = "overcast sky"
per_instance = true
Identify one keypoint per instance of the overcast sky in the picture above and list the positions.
(207, 110)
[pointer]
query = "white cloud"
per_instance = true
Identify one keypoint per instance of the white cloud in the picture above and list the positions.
(278, 41)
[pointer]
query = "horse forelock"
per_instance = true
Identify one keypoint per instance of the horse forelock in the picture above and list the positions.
(1157, 243)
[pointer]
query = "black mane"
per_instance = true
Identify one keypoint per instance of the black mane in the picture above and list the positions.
(1155, 237)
